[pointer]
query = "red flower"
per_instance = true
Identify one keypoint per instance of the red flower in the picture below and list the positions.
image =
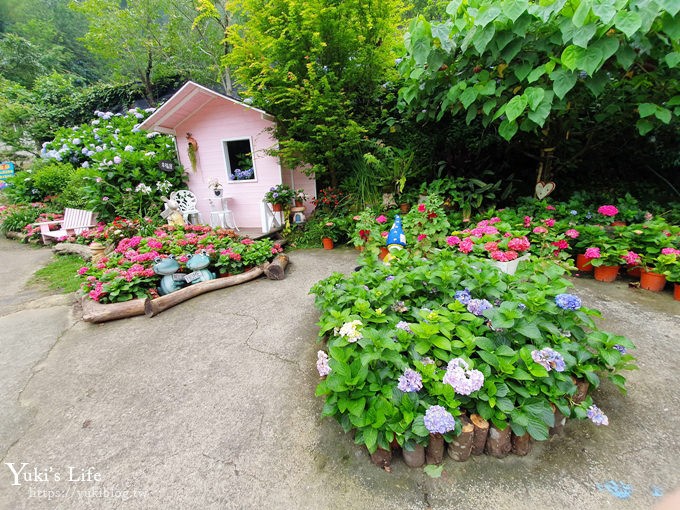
(421, 207)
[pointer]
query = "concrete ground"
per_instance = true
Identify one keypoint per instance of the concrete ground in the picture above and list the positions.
(211, 405)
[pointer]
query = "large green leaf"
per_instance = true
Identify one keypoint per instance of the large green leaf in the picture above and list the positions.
(628, 22)
(590, 60)
(605, 10)
(507, 129)
(644, 126)
(541, 113)
(356, 407)
(570, 56)
(468, 96)
(513, 9)
(663, 114)
(584, 34)
(646, 109)
(563, 82)
(672, 59)
(486, 14)
(670, 6)
(534, 96)
(536, 74)
(581, 13)
(515, 107)
(452, 7)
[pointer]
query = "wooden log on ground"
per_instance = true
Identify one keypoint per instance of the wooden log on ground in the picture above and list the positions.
(461, 447)
(382, 458)
(499, 442)
(434, 453)
(560, 421)
(81, 250)
(521, 445)
(276, 270)
(414, 458)
(582, 387)
(97, 312)
(481, 427)
(153, 307)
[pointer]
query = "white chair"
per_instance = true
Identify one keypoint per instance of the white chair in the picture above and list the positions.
(187, 204)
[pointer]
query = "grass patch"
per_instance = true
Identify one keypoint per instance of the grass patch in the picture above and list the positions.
(60, 274)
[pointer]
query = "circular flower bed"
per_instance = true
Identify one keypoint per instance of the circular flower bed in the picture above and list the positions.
(413, 346)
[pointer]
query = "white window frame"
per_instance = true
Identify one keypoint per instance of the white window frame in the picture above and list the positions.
(227, 164)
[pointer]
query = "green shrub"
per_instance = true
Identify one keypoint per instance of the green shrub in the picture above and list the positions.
(17, 220)
(51, 178)
(75, 194)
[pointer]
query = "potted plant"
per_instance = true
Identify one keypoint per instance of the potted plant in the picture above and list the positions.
(215, 186)
(329, 233)
(669, 264)
(606, 255)
(299, 197)
(279, 196)
(587, 237)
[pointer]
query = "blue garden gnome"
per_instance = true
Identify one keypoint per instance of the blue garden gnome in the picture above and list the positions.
(396, 239)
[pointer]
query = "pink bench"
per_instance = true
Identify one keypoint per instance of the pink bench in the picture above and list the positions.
(74, 222)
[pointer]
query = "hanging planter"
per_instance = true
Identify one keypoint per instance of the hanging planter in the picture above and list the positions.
(652, 281)
(192, 150)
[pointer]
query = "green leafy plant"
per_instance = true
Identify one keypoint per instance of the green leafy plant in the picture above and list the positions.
(280, 194)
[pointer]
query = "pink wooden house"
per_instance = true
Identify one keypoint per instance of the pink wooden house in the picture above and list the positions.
(233, 142)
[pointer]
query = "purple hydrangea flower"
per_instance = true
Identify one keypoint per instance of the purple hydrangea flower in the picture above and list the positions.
(399, 307)
(549, 358)
(463, 380)
(438, 420)
(117, 160)
(620, 348)
(522, 306)
(568, 301)
(477, 306)
(403, 325)
(596, 415)
(322, 364)
(389, 278)
(410, 381)
(463, 296)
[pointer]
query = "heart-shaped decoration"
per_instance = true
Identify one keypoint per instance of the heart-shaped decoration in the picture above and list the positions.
(543, 189)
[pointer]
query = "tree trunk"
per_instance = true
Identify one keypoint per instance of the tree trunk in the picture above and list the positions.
(481, 427)
(499, 442)
(461, 447)
(434, 453)
(146, 79)
(277, 268)
(521, 445)
(153, 307)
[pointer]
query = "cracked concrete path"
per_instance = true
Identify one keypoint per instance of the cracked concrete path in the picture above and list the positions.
(211, 405)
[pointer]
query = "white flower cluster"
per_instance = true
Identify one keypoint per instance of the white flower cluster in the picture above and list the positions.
(350, 331)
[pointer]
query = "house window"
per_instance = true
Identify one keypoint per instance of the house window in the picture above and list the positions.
(238, 157)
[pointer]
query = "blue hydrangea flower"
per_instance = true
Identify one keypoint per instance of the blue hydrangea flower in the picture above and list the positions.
(411, 381)
(620, 348)
(549, 358)
(573, 212)
(438, 420)
(596, 415)
(477, 306)
(403, 325)
(568, 301)
(463, 296)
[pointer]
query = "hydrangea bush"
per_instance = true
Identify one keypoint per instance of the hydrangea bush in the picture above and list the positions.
(127, 272)
(411, 346)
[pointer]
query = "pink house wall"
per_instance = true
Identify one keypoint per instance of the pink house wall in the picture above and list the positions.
(223, 120)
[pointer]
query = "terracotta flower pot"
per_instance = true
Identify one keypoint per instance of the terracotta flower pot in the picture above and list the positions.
(583, 263)
(652, 281)
(606, 273)
(277, 207)
(404, 208)
(327, 243)
(634, 271)
(298, 203)
(676, 291)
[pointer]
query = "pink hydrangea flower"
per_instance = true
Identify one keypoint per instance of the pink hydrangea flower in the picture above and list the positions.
(573, 233)
(452, 240)
(632, 258)
(561, 244)
(381, 219)
(82, 270)
(527, 221)
(540, 230)
(519, 243)
(550, 222)
(550, 207)
(608, 210)
(593, 253)
(669, 251)
(493, 220)
(466, 245)
(491, 246)
(421, 237)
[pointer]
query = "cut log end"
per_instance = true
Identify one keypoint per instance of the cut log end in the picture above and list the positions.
(461, 447)
(276, 270)
(499, 442)
(481, 428)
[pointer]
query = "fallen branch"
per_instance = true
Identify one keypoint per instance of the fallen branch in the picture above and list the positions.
(277, 269)
(153, 307)
(98, 312)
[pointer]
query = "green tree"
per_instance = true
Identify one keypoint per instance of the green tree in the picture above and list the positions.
(520, 64)
(319, 66)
